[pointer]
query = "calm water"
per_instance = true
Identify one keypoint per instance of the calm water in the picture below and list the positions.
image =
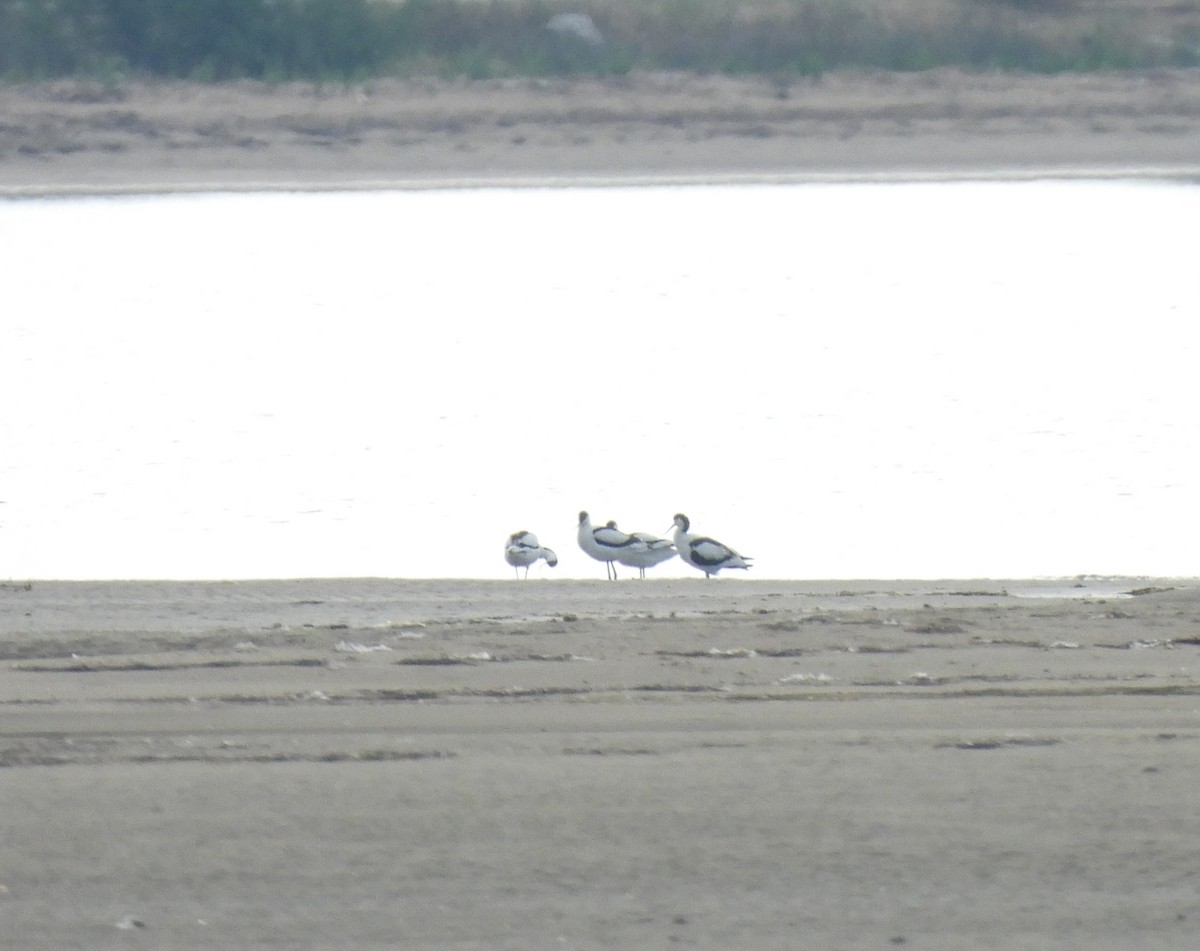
(841, 381)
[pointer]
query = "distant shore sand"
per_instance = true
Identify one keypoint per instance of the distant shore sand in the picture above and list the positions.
(483, 764)
(80, 138)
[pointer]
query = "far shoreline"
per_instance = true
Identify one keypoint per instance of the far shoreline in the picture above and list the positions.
(1178, 175)
(74, 139)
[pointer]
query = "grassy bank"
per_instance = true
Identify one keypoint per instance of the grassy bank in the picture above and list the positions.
(355, 39)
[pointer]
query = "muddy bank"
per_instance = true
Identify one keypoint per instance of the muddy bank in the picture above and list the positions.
(71, 137)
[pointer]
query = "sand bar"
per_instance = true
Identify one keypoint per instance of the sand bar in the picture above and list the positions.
(461, 764)
(79, 138)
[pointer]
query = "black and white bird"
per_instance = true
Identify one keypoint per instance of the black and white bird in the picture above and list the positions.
(657, 551)
(523, 549)
(606, 543)
(707, 554)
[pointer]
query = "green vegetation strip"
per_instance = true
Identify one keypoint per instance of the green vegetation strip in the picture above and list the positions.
(348, 40)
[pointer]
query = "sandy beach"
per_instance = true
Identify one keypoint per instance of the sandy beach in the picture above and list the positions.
(90, 138)
(724, 764)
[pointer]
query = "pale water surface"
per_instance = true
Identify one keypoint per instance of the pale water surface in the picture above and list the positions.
(900, 380)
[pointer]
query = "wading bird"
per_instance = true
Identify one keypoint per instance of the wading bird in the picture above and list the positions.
(523, 549)
(707, 554)
(605, 543)
(657, 551)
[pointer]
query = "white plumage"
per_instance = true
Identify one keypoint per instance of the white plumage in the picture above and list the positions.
(523, 549)
(707, 554)
(657, 551)
(606, 543)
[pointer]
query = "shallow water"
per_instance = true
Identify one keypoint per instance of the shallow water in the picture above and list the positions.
(919, 380)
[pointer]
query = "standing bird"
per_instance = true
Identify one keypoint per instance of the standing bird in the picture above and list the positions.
(657, 551)
(707, 554)
(523, 550)
(606, 543)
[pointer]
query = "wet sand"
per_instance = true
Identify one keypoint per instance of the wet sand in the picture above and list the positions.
(81, 138)
(723, 764)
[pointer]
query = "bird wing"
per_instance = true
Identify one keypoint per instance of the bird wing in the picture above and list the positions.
(614, 538)
(708, 551)
(653, 542)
